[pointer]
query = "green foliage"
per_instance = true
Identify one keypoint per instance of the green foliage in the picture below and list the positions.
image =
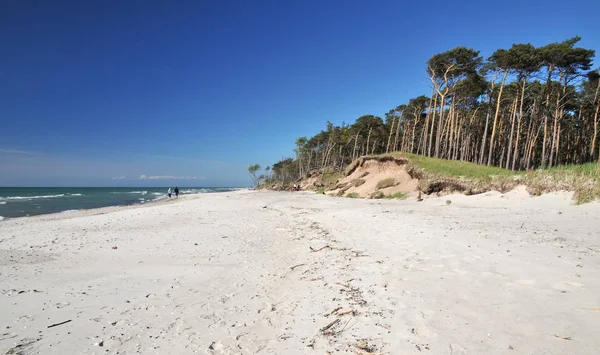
(352, 195)
(321, 190)
(547, 114)
(330, 177)
(453, 168)
(582, 179)
(397, 196)
(252, 170)
(382, 184)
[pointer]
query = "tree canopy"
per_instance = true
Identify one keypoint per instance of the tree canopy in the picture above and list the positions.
(522, 108)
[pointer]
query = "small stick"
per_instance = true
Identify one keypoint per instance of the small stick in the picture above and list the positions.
(344, 313)
(293, 267)
(332, 312)
(57, 324)
(330, 325)
(561, 337)
(316, 250)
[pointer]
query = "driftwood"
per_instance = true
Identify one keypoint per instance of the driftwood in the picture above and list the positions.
(333, 312)
(295, 266)
(562, 337)
(57, 324)
(324, 329)
(346, 312)
(316, 250)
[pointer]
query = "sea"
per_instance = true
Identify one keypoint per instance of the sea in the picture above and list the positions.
(31, 201)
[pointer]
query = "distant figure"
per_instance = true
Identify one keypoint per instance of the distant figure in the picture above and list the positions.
(169, 192)
(176, 192)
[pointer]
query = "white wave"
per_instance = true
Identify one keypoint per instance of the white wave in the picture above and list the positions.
(1, 218)
(2, 203)
(158, 193)
(30, 197)
(69, 211)
(129, 192)
(208, 190)
(159, 198)
(75, 195)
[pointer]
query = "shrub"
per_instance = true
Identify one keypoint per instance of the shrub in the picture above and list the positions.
(397, 196)
(352, 195)
(377, 195)
(386, 183)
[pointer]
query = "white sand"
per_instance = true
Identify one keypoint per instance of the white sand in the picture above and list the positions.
(212, 274)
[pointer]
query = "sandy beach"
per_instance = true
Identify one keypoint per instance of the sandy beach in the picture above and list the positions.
(250, 272)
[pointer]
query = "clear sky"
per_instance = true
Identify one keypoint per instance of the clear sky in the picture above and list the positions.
(99, 93)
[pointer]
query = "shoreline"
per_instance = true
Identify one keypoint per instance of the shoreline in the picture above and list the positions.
(108, 209)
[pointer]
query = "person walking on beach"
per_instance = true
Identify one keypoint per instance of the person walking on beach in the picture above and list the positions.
(176, 192)
(169, 193)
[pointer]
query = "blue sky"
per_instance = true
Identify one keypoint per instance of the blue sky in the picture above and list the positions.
(192, 92)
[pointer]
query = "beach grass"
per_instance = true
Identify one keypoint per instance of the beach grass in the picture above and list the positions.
(389, 182)
(582, 179)
(397, 196)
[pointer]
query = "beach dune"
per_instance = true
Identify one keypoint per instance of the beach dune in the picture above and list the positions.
(249, 272)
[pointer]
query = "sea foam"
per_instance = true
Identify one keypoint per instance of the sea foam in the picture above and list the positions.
(30, 197)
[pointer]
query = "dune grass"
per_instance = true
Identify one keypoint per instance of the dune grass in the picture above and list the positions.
(382, 184)
(397, 196)
(457, 168)
(470, 178)
(330, 177)
(353, 195)
(583, 180)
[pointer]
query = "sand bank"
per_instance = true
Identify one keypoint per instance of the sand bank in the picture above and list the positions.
(298, 273)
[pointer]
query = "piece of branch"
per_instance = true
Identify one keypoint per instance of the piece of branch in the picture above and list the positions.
(346, 312)
(323, 330)
(333, 312)
(57, 324)
(316, 250)
(562, 337)
(295, 266)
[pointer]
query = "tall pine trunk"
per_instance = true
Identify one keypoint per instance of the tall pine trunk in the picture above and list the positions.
(512, 131)
(489, 162)
(516, 154)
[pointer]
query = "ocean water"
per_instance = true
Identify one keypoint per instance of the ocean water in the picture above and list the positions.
(31, 201)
